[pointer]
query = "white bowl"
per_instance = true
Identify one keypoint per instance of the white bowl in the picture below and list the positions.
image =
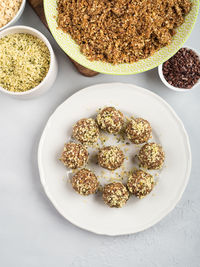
(16, 17)
(160, 72)
(53, 69)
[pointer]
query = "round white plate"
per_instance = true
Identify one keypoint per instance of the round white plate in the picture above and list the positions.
(91, 213)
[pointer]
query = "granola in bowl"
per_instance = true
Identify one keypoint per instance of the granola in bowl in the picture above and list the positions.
(121, 31)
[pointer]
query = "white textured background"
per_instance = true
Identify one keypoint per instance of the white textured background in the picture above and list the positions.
(33, 234)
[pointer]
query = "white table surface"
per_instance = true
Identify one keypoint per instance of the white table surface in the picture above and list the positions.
(32, 233)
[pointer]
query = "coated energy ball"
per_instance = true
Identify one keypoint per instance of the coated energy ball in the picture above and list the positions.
(151, 156)
(110, 120)
(138, 131)
(115, 195)
(110, 157)
(74, 155)
(85, 182)
(140, 183)
(86, 131)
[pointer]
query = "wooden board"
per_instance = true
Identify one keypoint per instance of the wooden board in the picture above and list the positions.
(37, 6)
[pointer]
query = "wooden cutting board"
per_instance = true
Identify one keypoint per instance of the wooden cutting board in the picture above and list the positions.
(38, 7)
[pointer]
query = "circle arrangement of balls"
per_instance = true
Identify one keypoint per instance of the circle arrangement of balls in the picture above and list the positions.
(86, 131)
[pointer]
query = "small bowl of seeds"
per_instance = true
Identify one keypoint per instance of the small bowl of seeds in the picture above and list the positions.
(28, 65)
(10, 12)
(182, 71)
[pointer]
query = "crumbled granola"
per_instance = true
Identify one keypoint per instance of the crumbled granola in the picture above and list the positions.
(121, 31)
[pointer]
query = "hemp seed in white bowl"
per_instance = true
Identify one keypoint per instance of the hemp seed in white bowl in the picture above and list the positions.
(24, 61)
(28, 66)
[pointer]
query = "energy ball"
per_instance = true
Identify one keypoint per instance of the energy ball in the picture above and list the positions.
(85, 182)
(110, 120)
(151, 156)
(138, 131)
(74, 155)
(110, 157)
(140, 183)
(86, 131)
(115, 195)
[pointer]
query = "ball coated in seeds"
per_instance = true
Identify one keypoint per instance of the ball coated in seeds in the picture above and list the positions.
(115, 195)
(140, 183)
(110, 120)
(151, 156)
(86, 131)
(74, 155)
(110, 157)
(85, 182)
(138, 130)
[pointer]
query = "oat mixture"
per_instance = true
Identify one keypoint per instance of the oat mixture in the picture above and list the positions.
(121, 31)
(24, 62)
(8, 9)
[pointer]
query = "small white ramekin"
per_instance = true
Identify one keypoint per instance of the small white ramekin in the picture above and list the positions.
(183, 90)
(16, 17)
(53, 69)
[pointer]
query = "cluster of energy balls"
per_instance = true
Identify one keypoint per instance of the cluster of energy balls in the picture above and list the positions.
(86, 132)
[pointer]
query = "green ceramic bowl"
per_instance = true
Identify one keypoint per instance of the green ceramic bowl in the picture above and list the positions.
(72, 49)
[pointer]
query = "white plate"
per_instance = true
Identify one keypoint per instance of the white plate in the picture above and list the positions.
(91, 213)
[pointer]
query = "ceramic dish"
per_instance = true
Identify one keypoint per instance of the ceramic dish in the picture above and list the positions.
(16, 17)
(90, 212)
(72, 49)
(53, 69)
(182, 90)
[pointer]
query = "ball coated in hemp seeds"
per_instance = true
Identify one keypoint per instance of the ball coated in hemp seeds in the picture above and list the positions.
(74, 155)
(140, 183)
(110, 157)
(86, 131)
(138, 131)
(115, 195)
(85, 182)
(151, 156)
(110, 120)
